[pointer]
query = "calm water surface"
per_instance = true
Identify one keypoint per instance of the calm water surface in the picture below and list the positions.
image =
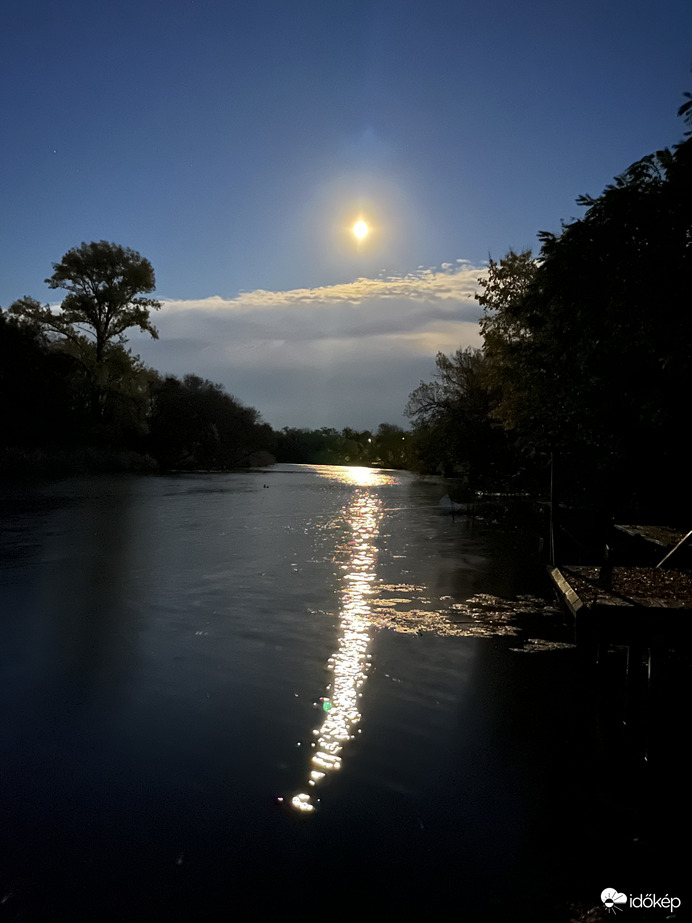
(303, 689)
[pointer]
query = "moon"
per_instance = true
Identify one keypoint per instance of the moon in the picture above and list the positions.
(360, 229)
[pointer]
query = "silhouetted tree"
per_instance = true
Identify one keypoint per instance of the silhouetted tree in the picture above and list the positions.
(36, 393)
(390, 446)
(194, 423)
(685, 111)
(454, 433)
(387, 448)
(591, 355)
(105, 282)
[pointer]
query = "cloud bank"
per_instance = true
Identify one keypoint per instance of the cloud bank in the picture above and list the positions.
(339, 355)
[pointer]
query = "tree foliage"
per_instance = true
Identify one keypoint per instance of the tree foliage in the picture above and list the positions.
(388, 447)
(503, 291)
(36, 392)
(586, 351)
(71, 383)
(590, 349)
(105, 283)
(194, 423)
(454, 432)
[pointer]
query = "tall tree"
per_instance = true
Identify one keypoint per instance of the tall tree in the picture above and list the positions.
(593, 354)
(105, 283)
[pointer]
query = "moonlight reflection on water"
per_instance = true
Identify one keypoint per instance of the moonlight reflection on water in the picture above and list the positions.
(349, 664)
(367, 602)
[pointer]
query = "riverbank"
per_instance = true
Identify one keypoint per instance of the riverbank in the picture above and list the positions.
(73, 462)
(88, 460)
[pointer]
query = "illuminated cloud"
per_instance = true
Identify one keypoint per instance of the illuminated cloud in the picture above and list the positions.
(452, 282)
(336, 355)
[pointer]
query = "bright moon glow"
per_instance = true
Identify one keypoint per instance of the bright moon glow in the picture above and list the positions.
(360, 229)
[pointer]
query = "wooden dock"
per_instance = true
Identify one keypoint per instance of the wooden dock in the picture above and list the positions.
(625, 605)
(646, 610)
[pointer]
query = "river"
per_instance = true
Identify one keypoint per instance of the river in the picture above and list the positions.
(303, 689)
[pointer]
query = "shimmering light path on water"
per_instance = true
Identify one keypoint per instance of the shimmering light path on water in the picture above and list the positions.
(349, 665)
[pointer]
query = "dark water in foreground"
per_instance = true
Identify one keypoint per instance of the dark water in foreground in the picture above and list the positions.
(301, 691)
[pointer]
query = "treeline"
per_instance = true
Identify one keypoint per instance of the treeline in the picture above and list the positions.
(387, 447)
(143, 420)
(585, 370)
(135, 417)
(73, 396)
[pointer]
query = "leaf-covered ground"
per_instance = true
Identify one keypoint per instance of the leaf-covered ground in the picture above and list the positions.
(632, 583)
